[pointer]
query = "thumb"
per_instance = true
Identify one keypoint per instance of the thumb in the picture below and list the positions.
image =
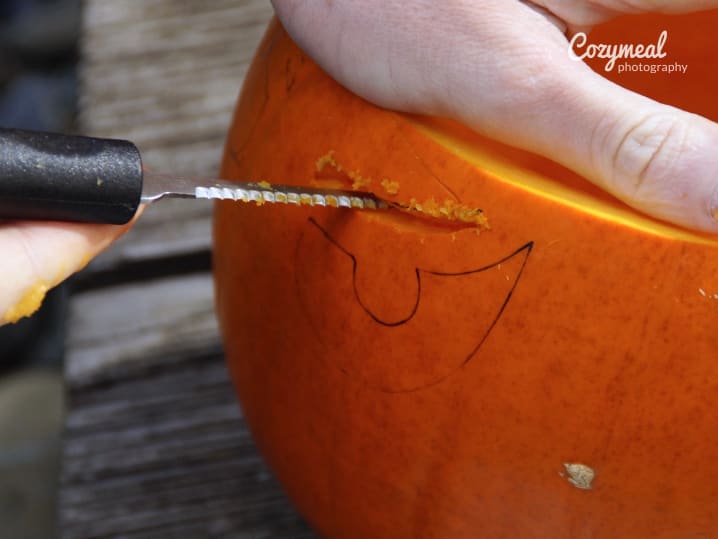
(658, 159)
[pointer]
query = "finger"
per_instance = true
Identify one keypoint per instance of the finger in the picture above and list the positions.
(656, 158)
(415, 57)
(39, 255)
(378, 49)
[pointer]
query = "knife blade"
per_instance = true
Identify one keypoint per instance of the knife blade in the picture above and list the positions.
(52, 176)
(157, 186)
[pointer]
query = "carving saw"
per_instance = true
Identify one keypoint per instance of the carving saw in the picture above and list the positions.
(50, 176)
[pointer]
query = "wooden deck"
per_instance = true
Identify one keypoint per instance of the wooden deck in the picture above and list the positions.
(155, 444)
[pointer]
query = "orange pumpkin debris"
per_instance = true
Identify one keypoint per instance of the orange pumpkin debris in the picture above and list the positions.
(554, 377)
(391, 187)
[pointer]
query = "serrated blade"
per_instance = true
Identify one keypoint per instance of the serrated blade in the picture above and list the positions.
(157, 186)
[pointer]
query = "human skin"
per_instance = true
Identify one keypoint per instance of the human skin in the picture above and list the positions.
(40, 255)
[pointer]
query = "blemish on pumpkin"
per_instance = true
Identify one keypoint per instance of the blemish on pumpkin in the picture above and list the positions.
(265, 184)
(579, 475)
(28, 304)
(707, 294)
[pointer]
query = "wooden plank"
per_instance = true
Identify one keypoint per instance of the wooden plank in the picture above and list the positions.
(167, 454)
(166, 75)
(126, 326)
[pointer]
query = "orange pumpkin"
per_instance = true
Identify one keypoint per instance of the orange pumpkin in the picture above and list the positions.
(553, 377)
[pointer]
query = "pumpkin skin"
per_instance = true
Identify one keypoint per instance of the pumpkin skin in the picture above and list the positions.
(408, 379)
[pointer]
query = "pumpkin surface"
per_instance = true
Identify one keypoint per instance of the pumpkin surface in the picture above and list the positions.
(555, 376)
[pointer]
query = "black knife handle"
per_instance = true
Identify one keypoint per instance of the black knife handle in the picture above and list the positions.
(55, 177)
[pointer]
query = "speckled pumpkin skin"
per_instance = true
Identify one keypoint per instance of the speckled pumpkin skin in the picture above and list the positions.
(406, 380)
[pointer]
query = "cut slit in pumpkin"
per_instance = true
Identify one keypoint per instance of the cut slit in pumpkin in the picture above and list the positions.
(546, 179)
(449, 215)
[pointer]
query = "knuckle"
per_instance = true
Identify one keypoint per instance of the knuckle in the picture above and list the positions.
(527, 88)
(534, 78)
(645, 156)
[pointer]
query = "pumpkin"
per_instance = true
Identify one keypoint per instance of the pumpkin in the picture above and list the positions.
(554, 374)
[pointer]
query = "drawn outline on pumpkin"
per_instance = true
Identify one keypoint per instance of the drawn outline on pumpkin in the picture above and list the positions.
(525, 249)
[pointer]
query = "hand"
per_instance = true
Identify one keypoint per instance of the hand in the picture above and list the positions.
(502, 67)
(39, 255)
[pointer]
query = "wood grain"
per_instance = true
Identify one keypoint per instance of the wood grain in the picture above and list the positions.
(164, 452)
(155, 445)
(166, 76)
